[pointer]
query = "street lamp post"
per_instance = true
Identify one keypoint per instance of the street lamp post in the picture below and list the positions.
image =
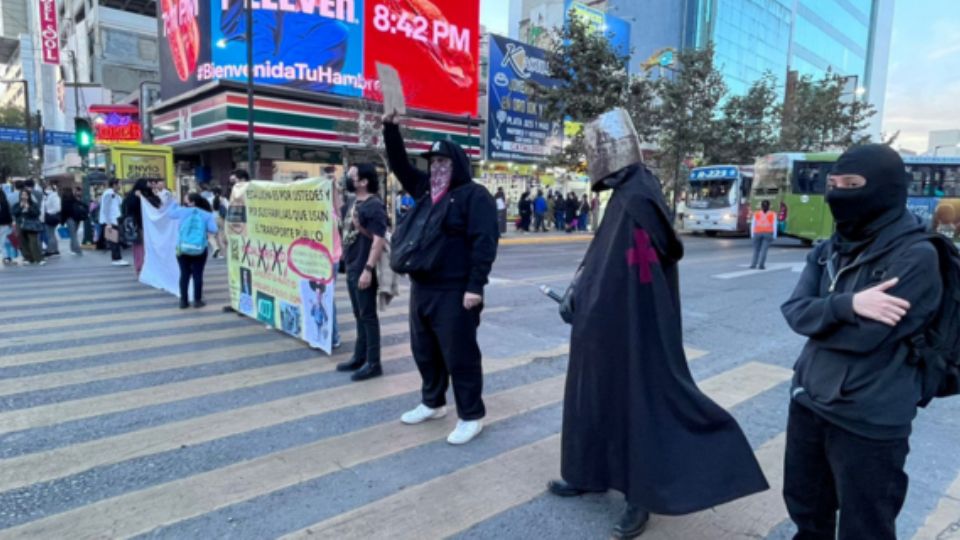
(249, 37)
(26, 112)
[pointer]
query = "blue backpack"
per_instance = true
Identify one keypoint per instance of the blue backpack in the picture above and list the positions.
(193, 235)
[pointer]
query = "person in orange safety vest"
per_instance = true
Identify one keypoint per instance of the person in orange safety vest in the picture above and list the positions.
(763, 230)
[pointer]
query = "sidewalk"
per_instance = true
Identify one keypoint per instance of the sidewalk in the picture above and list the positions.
(517, 238)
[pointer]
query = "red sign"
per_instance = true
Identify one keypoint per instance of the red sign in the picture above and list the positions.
(49, 32)
(116, 123)
(433, 44)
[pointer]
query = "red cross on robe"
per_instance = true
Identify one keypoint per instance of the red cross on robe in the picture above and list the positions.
(642, 255)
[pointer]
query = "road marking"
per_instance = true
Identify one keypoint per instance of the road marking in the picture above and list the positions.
(771, 267)
(158, 303)
(944, 522)
(476, 493)
(66, 411)
(29, 469)
(94, 320)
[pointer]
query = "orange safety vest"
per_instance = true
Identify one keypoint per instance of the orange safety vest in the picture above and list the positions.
(763, 223)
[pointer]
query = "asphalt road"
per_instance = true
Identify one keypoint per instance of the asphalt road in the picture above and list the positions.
(122, 416)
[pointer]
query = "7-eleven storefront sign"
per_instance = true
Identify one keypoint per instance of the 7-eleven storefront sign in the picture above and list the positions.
(224, 117)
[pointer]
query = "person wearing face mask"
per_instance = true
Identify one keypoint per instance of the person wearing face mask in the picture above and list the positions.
(447, 245)
(861, 298)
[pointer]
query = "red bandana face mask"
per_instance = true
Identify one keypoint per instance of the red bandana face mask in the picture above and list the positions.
(440, 174)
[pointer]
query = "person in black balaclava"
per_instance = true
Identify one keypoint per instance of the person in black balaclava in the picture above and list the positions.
(862, 295)
(453, 231)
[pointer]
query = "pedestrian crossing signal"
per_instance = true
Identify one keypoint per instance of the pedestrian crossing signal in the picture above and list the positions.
(84, 136)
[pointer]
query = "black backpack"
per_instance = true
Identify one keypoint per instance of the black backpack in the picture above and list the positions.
(418, 240)
(936, 350)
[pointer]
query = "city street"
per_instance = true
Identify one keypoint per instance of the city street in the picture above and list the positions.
(121, 415)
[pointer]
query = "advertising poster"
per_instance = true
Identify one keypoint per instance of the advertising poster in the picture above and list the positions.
(616, 29)
(327, 46)
(280, 239)
(516, 130)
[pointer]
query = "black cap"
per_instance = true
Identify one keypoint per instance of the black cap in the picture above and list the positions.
(440, 148)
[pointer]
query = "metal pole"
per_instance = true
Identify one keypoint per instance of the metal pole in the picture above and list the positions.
(29, 123)
(76, 84)
(249, 38)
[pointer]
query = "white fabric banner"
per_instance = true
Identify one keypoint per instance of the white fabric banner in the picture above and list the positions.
(160, 235)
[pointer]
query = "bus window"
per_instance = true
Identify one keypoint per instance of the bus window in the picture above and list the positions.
(951, 181)
(746, 184)
(810, 178)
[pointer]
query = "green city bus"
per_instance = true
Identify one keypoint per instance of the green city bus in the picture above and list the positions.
(795, 184)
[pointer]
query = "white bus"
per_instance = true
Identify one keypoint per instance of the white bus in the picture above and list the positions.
(719, 199)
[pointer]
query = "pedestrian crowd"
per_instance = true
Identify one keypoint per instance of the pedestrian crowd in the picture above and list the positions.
(552, 212)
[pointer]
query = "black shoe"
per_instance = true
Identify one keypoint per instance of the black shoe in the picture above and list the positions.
(199, 304)
(368, 371)
(228, 309)
(753, 267)
(216, 253)
(560, 488)
(184, 304)
(632, 523)
(762, 267)
(351, 365)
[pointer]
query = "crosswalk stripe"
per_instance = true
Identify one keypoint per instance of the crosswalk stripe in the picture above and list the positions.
(44, 466)
(483, 490)
(66, 411)
(100, 298)
(132, 346)
(11, 329)
(160, 302)
(148, 509)
(944, 522)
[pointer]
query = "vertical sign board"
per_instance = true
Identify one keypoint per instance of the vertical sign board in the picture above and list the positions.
(280, 239)
(49, 32)
(516, 130)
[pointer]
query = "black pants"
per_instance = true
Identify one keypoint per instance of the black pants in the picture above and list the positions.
(364, 302)
(443, 338)
(116, 248)
(191, 266)
(829, 469)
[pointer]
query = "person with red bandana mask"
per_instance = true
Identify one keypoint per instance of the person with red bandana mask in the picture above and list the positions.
(447, 245)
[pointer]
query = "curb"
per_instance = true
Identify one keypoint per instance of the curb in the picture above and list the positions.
(533, 240)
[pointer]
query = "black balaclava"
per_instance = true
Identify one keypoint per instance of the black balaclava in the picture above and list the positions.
(861, 213)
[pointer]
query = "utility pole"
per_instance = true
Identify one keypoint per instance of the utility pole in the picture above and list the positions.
(249, 36)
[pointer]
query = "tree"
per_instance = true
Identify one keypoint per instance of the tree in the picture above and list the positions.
(688, 106)
(642, 102)
(819, 116)
(748, 127)
(14, 158)
(592, 80)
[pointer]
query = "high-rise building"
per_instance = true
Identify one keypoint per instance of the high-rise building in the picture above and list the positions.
(751, 37)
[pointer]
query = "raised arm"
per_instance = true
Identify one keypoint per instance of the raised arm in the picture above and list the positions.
(415, 181)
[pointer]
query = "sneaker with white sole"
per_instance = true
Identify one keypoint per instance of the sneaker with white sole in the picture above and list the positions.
(121, 262)
(465, 432)
(422, 413)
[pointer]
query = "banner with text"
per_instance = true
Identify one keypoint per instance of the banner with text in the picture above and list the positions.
(280, 240)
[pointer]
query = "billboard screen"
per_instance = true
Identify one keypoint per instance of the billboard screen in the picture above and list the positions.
(328, 46)
(516, 130)
(616, 29)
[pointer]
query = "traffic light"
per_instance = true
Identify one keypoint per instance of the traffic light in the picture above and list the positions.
(84, 136)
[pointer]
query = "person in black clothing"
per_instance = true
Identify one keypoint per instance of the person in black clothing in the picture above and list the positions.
(862, 295)
(559, 206)
(447, 295)
(363, 244)
(73, 212)
(571, 206)
(525, 209)
(6, 224)
(132, 221)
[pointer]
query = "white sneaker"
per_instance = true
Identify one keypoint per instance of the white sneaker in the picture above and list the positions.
(465, 432)
(422, 413)
(121, 262)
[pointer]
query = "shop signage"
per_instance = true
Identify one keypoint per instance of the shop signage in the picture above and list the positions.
(112, 124)
(49, 32)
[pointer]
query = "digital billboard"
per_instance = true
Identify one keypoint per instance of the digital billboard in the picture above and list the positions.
(616, 29)
(516, 130)
(328, 46)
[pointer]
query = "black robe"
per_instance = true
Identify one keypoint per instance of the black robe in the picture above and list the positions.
(634, 420)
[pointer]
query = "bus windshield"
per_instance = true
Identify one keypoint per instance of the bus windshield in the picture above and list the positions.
(712, 194)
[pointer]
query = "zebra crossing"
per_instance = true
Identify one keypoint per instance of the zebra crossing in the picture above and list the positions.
(122, 416)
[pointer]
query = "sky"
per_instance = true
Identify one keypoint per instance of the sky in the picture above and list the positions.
(923, 80)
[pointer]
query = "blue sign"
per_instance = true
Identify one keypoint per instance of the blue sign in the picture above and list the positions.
(516, 130)
(14, 135)
(59, 138)
(714, 173)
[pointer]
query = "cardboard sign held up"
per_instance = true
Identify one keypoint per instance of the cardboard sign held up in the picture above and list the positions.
(392, 89)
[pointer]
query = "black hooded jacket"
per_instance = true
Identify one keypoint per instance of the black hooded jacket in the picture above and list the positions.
(6, 214)
(470, 226)
(854, 372)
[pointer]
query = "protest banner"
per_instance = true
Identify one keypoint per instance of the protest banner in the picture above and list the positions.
(279, 259)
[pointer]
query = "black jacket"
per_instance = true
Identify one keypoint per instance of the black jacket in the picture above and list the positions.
(6, 213)
(854, 372)
(470, 226)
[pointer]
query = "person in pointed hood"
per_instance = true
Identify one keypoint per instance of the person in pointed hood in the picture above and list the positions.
(447, 245)
(634, 420)
(862, 295)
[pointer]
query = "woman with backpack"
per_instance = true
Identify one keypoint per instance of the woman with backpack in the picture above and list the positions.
(196, 222)
(73, 212)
